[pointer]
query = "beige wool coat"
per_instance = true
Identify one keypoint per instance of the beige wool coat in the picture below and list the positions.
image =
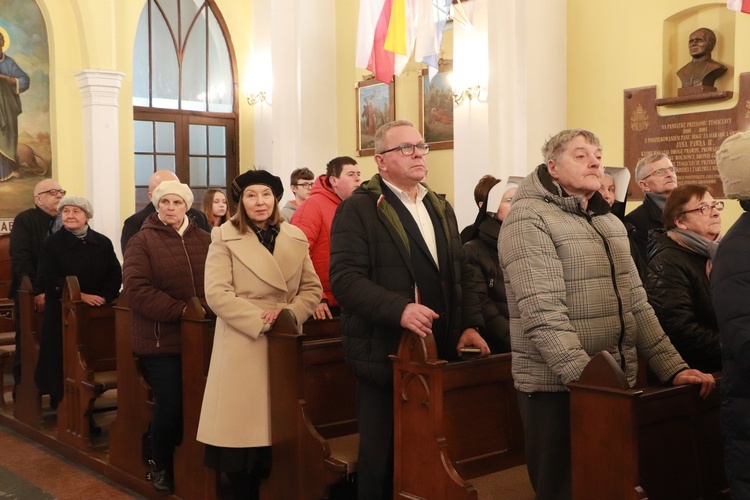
(243, 279)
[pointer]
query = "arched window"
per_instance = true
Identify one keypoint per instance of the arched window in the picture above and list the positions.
(184, 99)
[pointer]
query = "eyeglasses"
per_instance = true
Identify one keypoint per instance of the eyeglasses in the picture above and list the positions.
(408, 149)
(53, 192)
(306, 185)
(706, 209)
(661, 171)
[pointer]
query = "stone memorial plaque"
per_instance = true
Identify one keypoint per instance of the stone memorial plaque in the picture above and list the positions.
(690, 139)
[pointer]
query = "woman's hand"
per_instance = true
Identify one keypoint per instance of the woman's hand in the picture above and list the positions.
(92, 300)
(269, 317)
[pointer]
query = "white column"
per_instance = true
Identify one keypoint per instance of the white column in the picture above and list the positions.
(99, 92)
(520, 53)
(294, 41)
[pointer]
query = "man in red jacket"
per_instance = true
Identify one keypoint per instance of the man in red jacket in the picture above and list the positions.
(315, 216)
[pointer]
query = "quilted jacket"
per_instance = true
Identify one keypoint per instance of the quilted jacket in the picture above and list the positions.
(573, 290)
(161, 272)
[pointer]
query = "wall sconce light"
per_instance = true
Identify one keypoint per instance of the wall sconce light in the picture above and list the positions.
(255, 98)
(469, 93)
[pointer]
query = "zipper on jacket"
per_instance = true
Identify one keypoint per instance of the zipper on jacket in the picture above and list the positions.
(190, 265)
(617, 291)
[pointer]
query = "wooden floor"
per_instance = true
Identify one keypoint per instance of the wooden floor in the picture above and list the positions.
(97, 460)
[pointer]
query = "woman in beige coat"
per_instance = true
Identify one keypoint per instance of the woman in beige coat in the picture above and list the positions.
(256, 266)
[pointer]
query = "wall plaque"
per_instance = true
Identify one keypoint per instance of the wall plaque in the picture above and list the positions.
(690, 139)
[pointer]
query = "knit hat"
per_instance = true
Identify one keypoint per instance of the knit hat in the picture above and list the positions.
(256, 177)
(732, 160)
(172, 187)
(77, 201)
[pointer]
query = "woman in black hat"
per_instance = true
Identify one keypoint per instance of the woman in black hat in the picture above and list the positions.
(256, 266)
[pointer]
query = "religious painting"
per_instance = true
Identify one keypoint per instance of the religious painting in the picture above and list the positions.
(25, 146)
(436, 107)
(376, 105)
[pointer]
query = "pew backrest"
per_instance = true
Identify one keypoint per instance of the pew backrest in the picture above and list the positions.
(28, 404)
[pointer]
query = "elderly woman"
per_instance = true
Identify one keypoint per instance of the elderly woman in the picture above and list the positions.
(256, 267)
(481, 255)
(163, 269)
(75, 250)
(677, 283)
(214, 206)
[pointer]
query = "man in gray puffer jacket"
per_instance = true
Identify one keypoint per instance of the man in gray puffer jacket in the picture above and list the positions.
(573, 290)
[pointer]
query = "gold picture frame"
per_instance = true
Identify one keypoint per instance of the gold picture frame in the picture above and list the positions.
(376, 105)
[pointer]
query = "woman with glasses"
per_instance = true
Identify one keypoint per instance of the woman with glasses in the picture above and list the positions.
(677, 282)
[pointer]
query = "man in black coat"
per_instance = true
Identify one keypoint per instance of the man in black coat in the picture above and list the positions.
(657, 177)
(30, 228)
(396, 263)
(133, 223)
(730, 289)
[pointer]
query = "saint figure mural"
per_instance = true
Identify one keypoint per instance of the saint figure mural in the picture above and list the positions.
(13, 81)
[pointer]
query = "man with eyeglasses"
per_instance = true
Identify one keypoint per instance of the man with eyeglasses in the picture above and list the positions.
(30, 228)
(315, 216)
(396, 263)
(657, 177)
(301, 183)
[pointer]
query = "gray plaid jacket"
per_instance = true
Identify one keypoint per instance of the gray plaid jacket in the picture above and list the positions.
(573, 290)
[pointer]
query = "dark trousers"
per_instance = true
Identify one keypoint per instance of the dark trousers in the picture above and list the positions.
(164, 375)
(546, 429)
(17, 354)
(375, 417)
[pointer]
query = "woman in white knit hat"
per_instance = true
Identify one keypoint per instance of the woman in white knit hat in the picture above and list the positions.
(74, 250)
(163, 269)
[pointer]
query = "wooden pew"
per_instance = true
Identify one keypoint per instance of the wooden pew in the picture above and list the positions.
(28, 405)
(658, 442)
(6, 305)
(89, 365)
(134, 401)
(193, 480)
(314, 431)
(457, 426)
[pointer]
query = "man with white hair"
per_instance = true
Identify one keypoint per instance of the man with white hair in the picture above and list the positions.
(133, 223)
(657, 177)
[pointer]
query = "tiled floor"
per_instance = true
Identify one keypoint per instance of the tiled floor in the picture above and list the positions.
(52, 473)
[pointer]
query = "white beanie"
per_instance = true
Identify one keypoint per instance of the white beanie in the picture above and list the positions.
(172, 187)
(77, 201)
(732, 160)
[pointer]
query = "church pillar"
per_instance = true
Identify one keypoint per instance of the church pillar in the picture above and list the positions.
(101, 159)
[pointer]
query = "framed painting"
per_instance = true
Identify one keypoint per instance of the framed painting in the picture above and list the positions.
(436, 107)
(376, 105)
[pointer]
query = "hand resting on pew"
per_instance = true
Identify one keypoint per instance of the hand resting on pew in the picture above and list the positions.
(471, 338)
(92, 300)
(687, 377)
(418, 319)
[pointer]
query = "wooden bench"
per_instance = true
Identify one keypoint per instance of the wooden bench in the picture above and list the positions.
(314, 430)
(655, 442)
(134, 401)
(457, 426)
(28, 404)
(193, 480)
(6, 305)
(89, 365)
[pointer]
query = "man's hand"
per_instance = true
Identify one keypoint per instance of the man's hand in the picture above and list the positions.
(471, 338)
(39, 303)
(322, 311)
(92, 300)
(706, 380)
(418, 319)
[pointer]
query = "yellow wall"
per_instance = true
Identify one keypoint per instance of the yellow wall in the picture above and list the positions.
(637, 50)
(407, 98)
